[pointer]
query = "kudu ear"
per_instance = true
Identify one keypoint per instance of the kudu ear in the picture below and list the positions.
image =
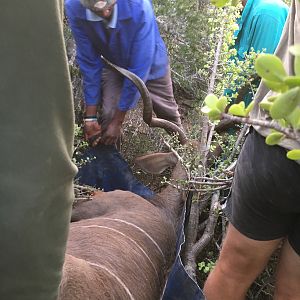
(156, 163)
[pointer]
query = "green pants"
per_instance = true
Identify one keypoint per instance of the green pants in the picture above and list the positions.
(36, 131)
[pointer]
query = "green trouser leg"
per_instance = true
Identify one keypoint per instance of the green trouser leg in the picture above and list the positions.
(36, 130)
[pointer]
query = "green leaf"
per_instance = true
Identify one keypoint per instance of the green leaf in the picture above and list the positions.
(282, 123)
(238, 109)
(214, 114)
(249, 107)
(272, 98)
(265, 104)
(295, 49)
(285, 103)
(205, 109)
(274, 138)
(270, 67)
(211, 101)
(219, 3)
(293, 154)
(294, 118)
(235, 2)
(275, 86)
(222, 103)
(292, 81)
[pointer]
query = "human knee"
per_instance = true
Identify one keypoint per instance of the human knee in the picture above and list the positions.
(234, 266)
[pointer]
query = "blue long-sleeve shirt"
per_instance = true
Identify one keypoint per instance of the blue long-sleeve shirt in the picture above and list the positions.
(132, 42)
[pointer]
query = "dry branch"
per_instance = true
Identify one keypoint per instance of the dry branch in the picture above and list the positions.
(208, 234)
(193, 248)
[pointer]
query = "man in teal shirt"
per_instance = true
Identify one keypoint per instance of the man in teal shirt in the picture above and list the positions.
(260, 28)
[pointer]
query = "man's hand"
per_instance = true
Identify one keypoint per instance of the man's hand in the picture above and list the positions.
(111, 134)
(92, 129)
(113, 130)
(92, 132)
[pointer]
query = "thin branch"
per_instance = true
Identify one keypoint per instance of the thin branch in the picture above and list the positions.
(214, 179)
(209, 183)
(238, 141)
(216, 62)
(191, 189)
(268, 124)
(206, 237)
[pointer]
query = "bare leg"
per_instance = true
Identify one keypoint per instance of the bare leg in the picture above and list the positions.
(241, 261)
(288, 275)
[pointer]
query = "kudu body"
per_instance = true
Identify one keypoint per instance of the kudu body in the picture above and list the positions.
(121, 245)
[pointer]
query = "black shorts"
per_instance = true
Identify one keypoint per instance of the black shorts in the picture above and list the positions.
(265, 199)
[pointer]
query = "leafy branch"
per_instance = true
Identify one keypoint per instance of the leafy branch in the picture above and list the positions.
(282, 110)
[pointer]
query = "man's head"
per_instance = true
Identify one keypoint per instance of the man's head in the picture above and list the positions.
(102, 8)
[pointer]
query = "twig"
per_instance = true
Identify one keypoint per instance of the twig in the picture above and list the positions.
(210, 183)
(206, 237)
(212, 179)
(268, 124)
(238, 141)
(189, 189)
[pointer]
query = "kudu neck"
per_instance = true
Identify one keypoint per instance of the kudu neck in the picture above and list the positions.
(171, 198)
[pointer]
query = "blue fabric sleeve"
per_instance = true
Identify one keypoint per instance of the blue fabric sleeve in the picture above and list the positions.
(90, 64)
(141, 58)
(266, 33)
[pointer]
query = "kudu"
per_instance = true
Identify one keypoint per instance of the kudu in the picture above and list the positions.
(121, 246)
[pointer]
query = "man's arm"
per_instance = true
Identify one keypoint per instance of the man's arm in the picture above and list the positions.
(91, 69)
(89, 62)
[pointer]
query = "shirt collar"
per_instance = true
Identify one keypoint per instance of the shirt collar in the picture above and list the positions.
(91, 16)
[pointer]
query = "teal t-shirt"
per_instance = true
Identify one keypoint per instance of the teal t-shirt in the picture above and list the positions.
(260, 28)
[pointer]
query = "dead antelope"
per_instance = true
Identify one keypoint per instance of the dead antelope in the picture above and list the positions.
(121, 245)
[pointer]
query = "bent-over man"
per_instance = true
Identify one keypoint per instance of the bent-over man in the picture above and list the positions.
(126, 33)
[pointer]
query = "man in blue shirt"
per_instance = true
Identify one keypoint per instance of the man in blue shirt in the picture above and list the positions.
(126, 33)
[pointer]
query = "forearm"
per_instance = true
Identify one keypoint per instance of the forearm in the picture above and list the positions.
(90, 110)
(119, 117)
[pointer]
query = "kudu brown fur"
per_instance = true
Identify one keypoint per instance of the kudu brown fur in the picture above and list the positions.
(121, 245)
